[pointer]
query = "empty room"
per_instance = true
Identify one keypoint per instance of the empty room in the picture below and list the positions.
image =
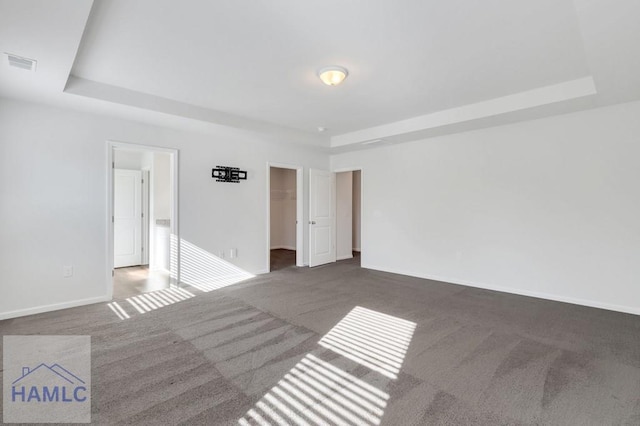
(342, 213)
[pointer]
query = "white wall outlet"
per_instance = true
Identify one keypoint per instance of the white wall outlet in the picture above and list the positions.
(233, 253)
(67, 271)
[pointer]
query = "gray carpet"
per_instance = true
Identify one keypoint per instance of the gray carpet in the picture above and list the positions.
(343, 345)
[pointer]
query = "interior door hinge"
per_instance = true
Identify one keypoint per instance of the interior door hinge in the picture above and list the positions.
(113, 164)
(113, 219)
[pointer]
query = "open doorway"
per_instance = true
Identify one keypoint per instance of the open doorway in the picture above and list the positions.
(143, 212)
(348, 214)
(285, 217)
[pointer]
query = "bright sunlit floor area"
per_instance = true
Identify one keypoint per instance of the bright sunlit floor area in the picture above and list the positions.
(343, 345)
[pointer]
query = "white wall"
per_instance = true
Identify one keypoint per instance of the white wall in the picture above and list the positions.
(357, 185)
(161, 185)
(344, 216)
(132, 160)
(283, 208)
(549, 208)
(161, 211)
(53, 181)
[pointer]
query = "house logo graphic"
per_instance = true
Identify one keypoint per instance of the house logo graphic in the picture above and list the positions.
(46, 379)
(48, 383)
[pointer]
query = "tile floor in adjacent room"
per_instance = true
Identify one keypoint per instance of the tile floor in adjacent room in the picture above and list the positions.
(135, 280)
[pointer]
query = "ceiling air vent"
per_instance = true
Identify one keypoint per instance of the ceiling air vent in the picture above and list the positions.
(20, 62)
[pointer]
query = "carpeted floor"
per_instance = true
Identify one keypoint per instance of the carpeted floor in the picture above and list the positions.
(339, 344)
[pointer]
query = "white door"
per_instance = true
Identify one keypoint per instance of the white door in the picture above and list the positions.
(127, 217)
(322, 217)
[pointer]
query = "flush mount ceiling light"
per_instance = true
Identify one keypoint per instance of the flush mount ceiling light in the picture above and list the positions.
(333, 75)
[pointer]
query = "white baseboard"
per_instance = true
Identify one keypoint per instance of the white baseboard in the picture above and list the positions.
(349, 256)
(53, 307)
(283, 248)
(529, 293)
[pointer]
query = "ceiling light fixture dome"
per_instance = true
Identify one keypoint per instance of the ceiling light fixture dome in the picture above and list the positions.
(333, 75)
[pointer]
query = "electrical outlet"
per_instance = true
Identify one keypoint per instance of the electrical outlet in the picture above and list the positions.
(67, 271)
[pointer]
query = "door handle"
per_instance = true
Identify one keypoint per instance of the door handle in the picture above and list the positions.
(312, 222)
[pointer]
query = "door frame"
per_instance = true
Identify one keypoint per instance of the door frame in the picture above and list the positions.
(299, 211)
(111, 146)
(361, 170)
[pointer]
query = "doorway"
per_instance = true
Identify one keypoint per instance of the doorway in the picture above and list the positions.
(285, 216)
(142, 217)
(348, 214)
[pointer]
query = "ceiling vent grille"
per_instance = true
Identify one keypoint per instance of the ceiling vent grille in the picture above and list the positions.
(22, 63)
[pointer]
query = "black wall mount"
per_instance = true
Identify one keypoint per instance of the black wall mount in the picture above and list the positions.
(228, 174)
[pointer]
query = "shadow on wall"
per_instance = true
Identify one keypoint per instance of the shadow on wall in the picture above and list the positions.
(203, 270)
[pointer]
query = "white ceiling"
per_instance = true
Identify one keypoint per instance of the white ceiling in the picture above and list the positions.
(417, 67)
(49, 32)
